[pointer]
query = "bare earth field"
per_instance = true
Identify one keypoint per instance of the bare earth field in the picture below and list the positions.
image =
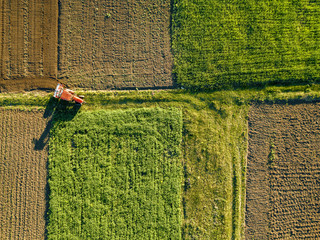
(28, 41)
(23, 171)
(27, 84)
(115, 44)
(283, 173)
(104, 44)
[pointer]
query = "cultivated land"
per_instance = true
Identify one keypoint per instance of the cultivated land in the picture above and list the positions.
(218, 44)
(115, 44)
(283, 174)
(116, 175)
(213, 149)
(23, 171)
(28, 42)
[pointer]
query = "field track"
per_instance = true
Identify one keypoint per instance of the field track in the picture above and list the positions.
(23, 171)
(29, 38)
(283, 174)
(27, 84)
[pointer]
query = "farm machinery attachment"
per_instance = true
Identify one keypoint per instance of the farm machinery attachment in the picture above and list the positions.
(67, 95)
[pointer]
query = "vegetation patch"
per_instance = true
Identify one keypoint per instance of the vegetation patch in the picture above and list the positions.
(220, 44)
(116, 175)
(213, 148)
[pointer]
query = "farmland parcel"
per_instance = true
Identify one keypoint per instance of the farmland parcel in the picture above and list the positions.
(244, 43)
(213, 152)
(23, 174)
(115, 44)
(28, 42)
(116, 175)
(213, 149)
(283, 178)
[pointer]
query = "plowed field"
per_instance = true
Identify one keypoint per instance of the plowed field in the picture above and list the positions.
(115, 44)
(283, 174)
(29, 37)
(23, 171)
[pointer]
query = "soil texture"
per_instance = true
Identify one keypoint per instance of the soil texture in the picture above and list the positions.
(28, 41)
(23, 171)
(283, 172)
(112, 44)
(28, 84)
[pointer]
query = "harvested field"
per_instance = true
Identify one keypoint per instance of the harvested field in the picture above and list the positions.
(23, 171)
(283, 173)
(115, 44)
(28, 41)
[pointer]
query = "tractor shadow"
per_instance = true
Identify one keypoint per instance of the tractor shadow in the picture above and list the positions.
(55, 110)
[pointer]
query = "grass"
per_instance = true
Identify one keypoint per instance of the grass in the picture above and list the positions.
(213, 148)
(219, 44)
(116, 175)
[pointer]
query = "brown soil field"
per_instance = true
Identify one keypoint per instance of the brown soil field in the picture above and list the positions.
(23, 171)
(28, 41)
(27, 84)
(283, 172)
(115, 44)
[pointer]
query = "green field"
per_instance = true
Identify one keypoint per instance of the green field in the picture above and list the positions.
(212, 152)
(220, 44)
(116, 175)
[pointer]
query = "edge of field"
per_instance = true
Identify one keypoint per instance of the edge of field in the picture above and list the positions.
(214, 145)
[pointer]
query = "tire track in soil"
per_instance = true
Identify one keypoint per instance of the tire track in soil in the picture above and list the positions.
(283, 172)
(23, 172)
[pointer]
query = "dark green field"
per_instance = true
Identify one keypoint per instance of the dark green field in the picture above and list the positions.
(220, 44)
(116, 175)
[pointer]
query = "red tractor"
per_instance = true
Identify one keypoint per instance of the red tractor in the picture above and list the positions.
(67, 94)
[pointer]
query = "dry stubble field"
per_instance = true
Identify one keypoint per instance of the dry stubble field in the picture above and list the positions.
(23, 174)
(283, 174)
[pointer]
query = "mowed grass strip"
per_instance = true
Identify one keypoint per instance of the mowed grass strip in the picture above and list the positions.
(220, 44)
(116, 175)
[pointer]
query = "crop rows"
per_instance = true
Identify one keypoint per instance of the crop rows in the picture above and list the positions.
(244, 43)
(29, 37)
(116, 175)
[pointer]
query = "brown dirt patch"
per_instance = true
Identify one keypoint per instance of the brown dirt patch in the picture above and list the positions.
(27, 84)
(23, 171)
(283, 173)
(128, 49)
(28, 39)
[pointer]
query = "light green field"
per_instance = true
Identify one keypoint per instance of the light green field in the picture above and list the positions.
(116, 175)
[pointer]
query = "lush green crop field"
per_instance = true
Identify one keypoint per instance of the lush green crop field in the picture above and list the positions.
(116, 175)
(220, 43)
